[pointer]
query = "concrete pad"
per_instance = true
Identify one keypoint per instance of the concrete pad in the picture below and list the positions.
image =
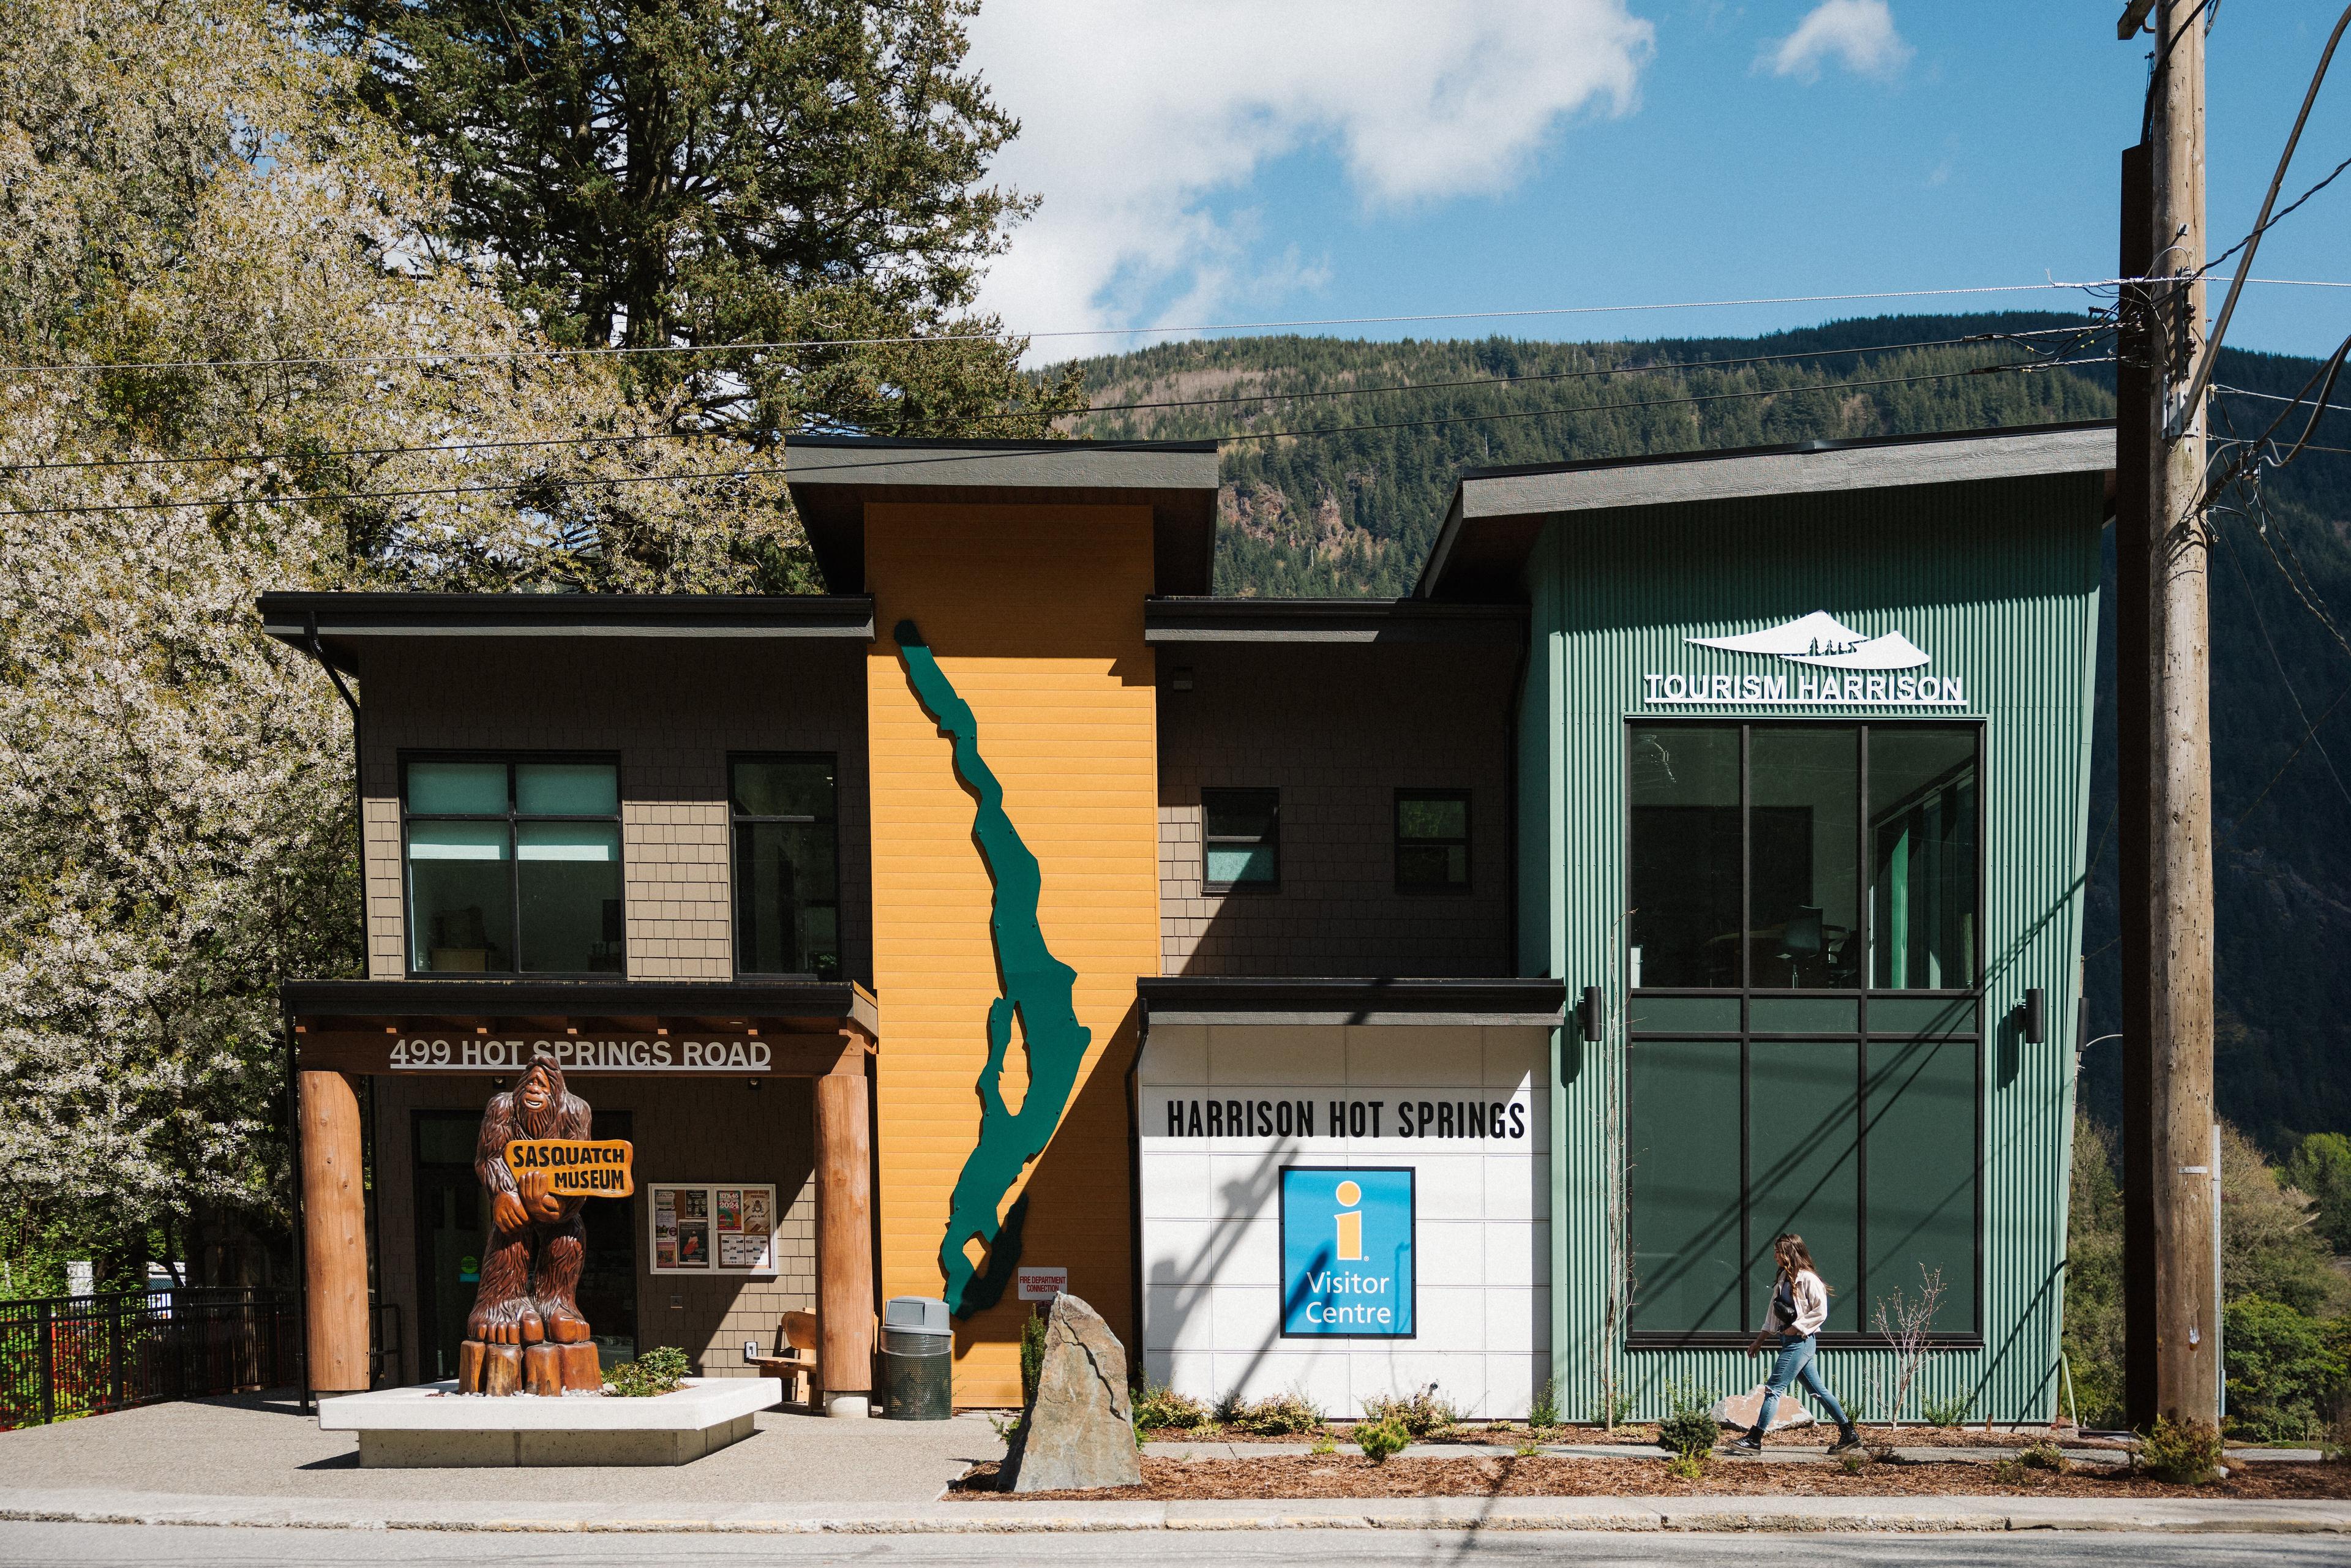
(432, 1427)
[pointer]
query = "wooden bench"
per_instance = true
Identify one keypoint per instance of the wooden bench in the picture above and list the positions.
(795, 1361)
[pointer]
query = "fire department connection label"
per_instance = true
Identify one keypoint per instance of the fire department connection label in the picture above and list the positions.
(1347, 1252)
(1040, 1283)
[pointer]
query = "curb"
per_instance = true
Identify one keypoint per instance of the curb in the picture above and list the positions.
(1628, 1515)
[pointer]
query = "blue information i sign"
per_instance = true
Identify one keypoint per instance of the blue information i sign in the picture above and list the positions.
(1346, 1253)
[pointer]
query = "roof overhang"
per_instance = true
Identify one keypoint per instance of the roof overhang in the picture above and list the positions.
(1179, 620)
(1219, 999)
(832, 478)
(346, 623)
(650, 1029)
(1496, 514)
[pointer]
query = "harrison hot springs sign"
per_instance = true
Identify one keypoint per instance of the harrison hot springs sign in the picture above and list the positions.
(1821, 661)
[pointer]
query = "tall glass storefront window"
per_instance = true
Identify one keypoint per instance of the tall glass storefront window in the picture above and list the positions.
(1793, 887)
(787, 866)
(513, 867)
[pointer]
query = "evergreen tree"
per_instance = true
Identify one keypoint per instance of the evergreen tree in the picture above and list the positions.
(662, 173)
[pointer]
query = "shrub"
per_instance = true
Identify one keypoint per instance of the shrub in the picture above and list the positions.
(1032, 1355)
(1423, 1415)
(1379, 1439)
(2283, 1373)
(1159, 1407)
(1278, 1415)
(1528, 1448)
(2045, 1455)
(1687, 1466)
(1543, 1409)
(656, 1372)
(2011, 1473)
(2180, 1451)
(1853, 1464)
(1944, 1412)
(1689, 1427)
(1324, 1444)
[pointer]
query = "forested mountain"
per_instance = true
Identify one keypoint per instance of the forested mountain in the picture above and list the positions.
(1343, 494)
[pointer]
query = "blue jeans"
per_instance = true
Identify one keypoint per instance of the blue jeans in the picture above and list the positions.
(1795, 1365)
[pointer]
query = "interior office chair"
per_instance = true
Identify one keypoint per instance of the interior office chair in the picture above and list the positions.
(1801, 939)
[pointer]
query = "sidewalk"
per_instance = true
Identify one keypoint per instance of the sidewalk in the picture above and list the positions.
(258, 1462)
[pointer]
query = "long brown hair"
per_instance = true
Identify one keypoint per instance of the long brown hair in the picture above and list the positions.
(1788, 1250)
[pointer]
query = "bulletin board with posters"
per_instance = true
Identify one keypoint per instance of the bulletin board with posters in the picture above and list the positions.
(713, 1228)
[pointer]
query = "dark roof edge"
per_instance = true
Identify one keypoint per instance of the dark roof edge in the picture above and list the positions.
(1173, 620)
(1208, 999)
(580, 998)
(350, 617)
(1783, 449)
(923, 444)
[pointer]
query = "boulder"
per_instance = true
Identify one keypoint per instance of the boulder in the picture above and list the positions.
(1739, 1410)
(1078, 1433)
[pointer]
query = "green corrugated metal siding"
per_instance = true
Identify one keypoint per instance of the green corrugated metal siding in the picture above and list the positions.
(1999, 582)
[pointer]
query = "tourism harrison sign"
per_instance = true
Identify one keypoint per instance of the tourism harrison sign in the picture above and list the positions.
(1821, 663)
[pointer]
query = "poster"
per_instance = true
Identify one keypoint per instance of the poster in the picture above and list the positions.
(708, 1228)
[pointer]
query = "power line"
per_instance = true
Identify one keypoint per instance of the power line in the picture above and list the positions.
(502, 356)
(1657, 368)
(748, 471)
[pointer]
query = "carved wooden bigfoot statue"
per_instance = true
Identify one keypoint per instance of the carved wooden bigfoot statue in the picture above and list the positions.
(524, 1332)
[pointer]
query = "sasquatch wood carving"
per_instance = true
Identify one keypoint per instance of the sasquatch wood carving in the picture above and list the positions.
(531, 1265)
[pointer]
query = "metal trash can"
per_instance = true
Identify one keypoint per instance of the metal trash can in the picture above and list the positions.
(918, 1360)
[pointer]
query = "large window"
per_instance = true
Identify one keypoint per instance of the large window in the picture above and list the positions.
(1867, 1145)
(1241, 839)
(1804, 1050)
(1432, 840)
(787, 866)
(512, 866)
(1748, 845)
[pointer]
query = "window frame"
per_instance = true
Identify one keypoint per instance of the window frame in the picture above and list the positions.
(1467, 840)
(736, 818)
(1860, 1037)
(510, 759)
(1272, 840)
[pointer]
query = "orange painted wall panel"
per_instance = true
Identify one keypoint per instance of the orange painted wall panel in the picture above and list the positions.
(1035, 614)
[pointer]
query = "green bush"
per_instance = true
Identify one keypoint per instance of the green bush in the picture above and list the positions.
(1543, 1409)
(1160, 1408)
(1945, 1412)
(2045, 1455)
(1032, 1355)
(2183, 1451)
(1688, 1467)
(2283, 1372)
(1379, 1439)
(1423, 1415)
(656, 1372)
(1689, 1427)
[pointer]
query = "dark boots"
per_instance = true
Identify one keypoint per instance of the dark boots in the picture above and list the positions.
(1847, 1440)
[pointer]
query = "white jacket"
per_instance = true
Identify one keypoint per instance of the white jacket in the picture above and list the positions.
(1812, 1295)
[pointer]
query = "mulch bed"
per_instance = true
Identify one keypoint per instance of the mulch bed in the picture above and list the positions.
(1353, 1476)
(1646, 1436)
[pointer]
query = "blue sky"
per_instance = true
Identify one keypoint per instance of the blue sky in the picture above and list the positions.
(1240, 160)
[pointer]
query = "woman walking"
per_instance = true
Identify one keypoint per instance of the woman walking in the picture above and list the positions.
(1799, 1305)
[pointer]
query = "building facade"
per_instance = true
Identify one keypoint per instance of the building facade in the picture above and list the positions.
(1344, 997)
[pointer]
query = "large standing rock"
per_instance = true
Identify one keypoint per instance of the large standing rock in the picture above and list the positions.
(1079, 1432)
(1739, 1410)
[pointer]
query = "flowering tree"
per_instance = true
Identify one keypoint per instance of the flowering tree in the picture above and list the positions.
(238, 359)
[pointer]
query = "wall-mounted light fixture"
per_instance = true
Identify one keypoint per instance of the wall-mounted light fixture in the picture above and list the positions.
(2033, 1016)
(1587, 1013)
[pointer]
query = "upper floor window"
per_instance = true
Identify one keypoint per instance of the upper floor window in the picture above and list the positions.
(1756, 852)
(1432, 840)
(787, 866)
(1240, 834)
(513, 867)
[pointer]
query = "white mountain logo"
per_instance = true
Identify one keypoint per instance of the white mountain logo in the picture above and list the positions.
(1820, 639)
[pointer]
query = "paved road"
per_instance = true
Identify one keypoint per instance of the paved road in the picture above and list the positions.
(162, 1546)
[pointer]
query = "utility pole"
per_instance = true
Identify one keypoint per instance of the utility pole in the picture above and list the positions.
(2172, 1116)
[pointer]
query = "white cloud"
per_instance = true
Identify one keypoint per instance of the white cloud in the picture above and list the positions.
(1858, 33)
(1137, 117)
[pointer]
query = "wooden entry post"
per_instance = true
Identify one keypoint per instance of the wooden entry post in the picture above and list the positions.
(334, 1234)
(844, 1233)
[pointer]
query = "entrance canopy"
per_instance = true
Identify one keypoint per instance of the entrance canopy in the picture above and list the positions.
(492, 1027)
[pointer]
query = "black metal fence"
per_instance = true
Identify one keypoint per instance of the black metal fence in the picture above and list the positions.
(62, 1356)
